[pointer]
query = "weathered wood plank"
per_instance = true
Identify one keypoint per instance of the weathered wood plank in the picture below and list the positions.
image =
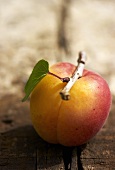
(49, 157)
(100, 152)
(23, 149)
(18, 149)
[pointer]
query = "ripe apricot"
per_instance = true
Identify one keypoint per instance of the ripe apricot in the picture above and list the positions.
(75, 121)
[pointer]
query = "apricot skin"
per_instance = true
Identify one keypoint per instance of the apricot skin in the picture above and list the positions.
(72, 122)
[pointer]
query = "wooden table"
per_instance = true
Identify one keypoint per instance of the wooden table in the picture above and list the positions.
(22, 149)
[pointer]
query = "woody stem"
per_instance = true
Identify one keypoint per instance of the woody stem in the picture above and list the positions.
(65, 93)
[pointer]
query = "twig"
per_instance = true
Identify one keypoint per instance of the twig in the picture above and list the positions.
(65, 95)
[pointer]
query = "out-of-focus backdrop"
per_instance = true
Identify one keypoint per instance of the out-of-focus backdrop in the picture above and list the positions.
(55, 30)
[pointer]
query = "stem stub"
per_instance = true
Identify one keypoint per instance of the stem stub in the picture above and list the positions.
(65, 93)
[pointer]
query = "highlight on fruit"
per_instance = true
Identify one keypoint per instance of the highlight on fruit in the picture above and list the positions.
(68, 104)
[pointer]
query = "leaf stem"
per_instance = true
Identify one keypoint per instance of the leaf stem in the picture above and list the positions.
(65, 79)
(65, 93)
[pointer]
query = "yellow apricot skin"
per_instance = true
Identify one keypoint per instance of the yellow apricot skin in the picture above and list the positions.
(72, 122)
(44, 105)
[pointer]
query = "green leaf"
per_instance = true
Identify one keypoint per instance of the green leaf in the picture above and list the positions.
(39, 71)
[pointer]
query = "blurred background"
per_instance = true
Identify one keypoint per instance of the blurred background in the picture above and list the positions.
(54, 30)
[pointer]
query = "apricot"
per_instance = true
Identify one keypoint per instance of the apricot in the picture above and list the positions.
(75, 121)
